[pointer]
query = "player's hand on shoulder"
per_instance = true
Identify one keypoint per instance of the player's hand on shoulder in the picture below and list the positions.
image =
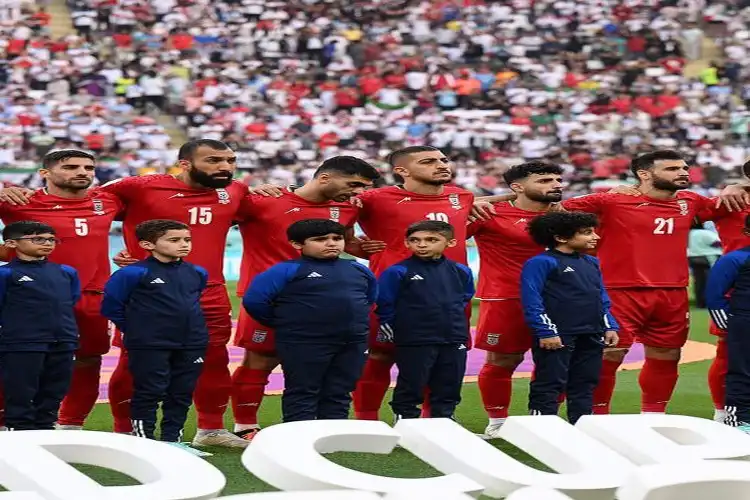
(625, 189)
(356, 201)
(371, 246)
(123, 258)
(551, 343)
(16, 195)
(481, 210)
(268, 190)
(611, 338)
(734, 197)
(556, 207)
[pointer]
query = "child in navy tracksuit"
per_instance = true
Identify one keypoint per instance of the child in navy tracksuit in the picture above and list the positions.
(156, 305)
(731, 273)
(319, 307)
(39, 335)
(422, 309)
(568, 310)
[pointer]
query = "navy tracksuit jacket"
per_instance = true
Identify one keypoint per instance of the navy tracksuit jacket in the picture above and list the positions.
(156, 306)
(422, 309)
(38, 338)
(319, 309)
(731, 273)
(563, 295)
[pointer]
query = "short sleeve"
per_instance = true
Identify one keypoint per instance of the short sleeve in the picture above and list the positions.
(591, 203)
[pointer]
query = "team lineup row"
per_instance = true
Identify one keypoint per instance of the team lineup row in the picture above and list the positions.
(648, 294)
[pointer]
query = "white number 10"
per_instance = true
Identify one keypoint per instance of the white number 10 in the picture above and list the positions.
(437, 216)
(664, 226)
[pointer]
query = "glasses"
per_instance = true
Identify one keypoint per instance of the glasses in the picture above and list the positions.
(38, 240)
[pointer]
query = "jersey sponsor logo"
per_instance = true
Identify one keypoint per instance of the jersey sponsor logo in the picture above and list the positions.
(295, 209)
(335, 214)
(223, 195)
(158, 281)
(642, 205)
(408, 198)
(57, 207)
(177, 195)
(198, 361)
(461, 347)
(455, 201)
(25, 278)
(568, 270)
(493, 338)
(417, 277)
(520, 221)
(314, 275)
(683, 206)
(259, 336)
(98, 207)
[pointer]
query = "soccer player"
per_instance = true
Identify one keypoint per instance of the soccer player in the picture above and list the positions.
(643, 259)
(265, 244)
(385, 215)
(504, 245)
(81, 219)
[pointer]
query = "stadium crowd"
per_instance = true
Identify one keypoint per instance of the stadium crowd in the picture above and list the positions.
(287, 84)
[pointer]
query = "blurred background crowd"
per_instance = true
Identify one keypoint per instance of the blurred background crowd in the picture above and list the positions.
(287, 83)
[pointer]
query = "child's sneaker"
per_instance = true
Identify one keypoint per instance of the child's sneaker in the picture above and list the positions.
(248, 434)
(219, 437)
(191, 450)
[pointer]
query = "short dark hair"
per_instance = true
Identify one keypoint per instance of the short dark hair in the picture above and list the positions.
(395, 156)
(313, 228)
(432, 226)
(348, 165)
(54, 157)
(524, 170)
(21, 228)
(187, 150)
(646, 161)
(545, 228)
(152, 230)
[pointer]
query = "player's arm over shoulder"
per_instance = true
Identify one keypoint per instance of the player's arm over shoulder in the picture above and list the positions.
(126, 188)
(593, 203)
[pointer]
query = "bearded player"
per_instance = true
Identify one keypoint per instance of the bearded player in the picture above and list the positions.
(265, 244)
(642, 254)
(384, 216)
(205, 197)
(504, 246)
(81, 219)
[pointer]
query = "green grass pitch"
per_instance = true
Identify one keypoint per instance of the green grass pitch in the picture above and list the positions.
(691, 398)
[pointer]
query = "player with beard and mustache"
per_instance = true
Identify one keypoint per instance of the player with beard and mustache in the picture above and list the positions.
(205, 197)
(642, 254)
(504, 246)
(81, 219)
(385, 215)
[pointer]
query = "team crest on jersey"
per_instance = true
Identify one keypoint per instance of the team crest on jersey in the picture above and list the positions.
(335, 214)
(223, 196)
(683, 205)
(98, 207)
(455, 201)
(259, 336)
(493, 338)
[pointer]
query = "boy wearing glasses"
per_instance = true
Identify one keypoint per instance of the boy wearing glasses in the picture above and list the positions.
(39, 332)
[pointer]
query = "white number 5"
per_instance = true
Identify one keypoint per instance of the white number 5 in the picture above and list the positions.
(664, 226)
(81, 227)
(201, 215)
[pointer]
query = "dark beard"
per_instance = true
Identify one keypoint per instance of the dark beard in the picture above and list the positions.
(545, 198)
(210, 181)
(666, 185)
(432, 182)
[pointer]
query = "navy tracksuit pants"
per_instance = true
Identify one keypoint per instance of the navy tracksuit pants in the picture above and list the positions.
(319, 378)
(573, 370)
(737, 402)
(166, 376)
(438, 367)
(35, 383)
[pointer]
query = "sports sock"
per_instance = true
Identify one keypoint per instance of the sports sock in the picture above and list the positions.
(426, 404)
(214, 387)
(496, 387)
(83, 393)
(657, 380)
(371, 389)
(603, 391)
(248, 386)
(717, 374)
(120, 394)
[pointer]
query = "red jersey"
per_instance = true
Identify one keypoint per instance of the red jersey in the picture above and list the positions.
(209, 213)
(81, 224)
(644, 240)
(388, 211)
(266, 223)
(730, 226)
(504, 246)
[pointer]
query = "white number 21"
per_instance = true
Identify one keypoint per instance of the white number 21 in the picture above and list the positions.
(664, 226)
